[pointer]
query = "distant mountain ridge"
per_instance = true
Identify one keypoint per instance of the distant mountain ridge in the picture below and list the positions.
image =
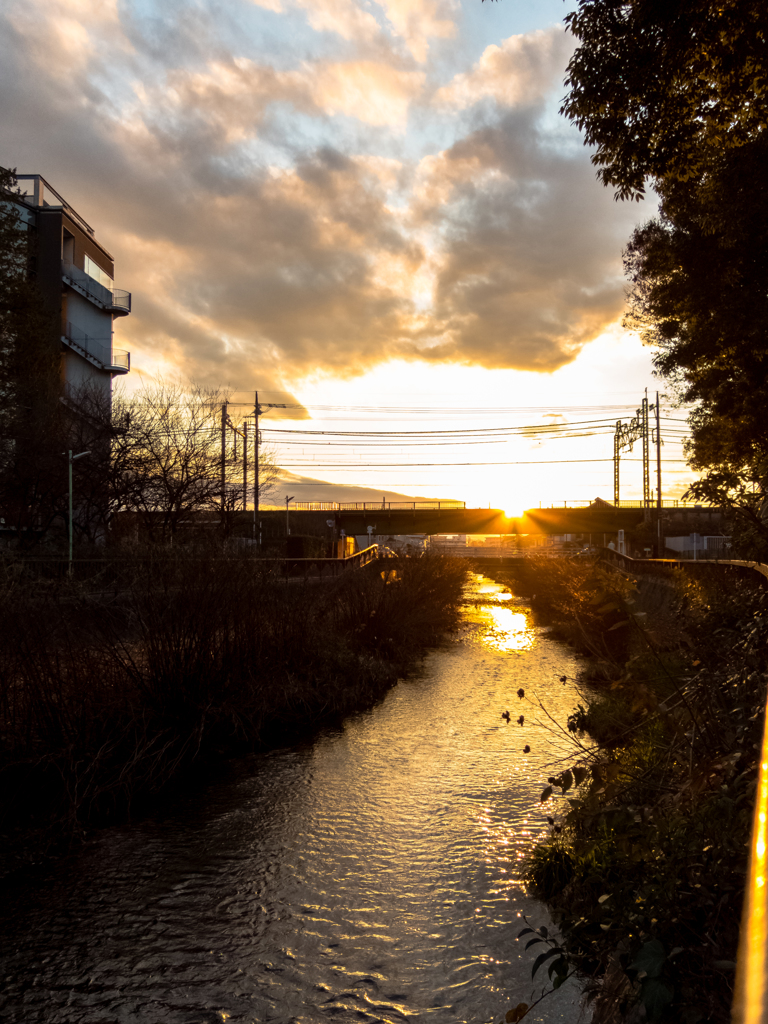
(306, 488)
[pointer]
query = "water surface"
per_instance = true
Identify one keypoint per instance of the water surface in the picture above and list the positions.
(370, 876)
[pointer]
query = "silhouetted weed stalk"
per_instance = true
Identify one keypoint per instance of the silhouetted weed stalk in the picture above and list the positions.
(111, 688)
(645, 863)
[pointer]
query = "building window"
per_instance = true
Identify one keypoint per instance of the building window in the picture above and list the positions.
(94, 270)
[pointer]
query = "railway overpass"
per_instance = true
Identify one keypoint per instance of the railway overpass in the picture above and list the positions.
(424, 517)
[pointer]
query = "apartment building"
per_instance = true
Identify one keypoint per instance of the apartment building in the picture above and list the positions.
(76, 276)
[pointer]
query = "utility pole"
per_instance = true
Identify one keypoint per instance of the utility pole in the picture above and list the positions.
(659, 525)
(624, 437)
(646, 462)
(223, 453)
(245, 465)
(70, 459)
(256, 439)
(257, 411)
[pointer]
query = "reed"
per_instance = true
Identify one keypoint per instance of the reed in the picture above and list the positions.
(114, 686)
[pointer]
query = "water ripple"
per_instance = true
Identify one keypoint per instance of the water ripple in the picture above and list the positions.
(371, 877)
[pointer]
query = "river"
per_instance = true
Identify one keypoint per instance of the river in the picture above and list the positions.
(372, 875)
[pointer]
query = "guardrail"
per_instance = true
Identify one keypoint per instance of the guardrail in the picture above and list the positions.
(703, 567)
(750, 1001)
(55, 568)
(302, 567)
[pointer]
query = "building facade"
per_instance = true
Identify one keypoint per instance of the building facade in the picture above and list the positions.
(75, 274)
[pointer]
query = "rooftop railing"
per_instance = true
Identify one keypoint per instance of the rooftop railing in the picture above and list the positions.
(38, 191)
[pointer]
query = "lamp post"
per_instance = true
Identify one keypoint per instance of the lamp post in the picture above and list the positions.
(287, 524)
(70, 459)
(331, 524)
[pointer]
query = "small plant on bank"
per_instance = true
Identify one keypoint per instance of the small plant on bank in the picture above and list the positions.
(645, 863)
(113, 688)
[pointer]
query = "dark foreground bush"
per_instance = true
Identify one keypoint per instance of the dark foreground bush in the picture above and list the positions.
(645, 864)
(112, 688)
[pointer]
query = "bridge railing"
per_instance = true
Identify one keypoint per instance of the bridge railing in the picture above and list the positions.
(373, 506)
(629, 503)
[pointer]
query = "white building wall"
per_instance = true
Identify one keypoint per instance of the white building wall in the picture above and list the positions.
(89, 318)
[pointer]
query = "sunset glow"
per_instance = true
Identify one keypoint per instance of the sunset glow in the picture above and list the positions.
(350, 207)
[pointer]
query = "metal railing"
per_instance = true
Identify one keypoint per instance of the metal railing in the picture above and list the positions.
(303, 567)
(38, 197)
(121, 301)
(373, 506)
(750, 1001)
(95, 351)
(121, 358)
(629, 503)
(113, 300)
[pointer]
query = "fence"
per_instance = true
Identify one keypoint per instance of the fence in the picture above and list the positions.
(373, 506)
(118, 570)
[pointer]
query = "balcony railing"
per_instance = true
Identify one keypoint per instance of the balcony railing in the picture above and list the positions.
(96, 351)
(121, 302)
(113, 300)
(120, 359)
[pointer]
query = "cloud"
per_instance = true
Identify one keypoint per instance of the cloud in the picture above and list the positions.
(519, 71)
(344, 17)
(527, 270)
(417, 21)
(372, 92)
(262, 238)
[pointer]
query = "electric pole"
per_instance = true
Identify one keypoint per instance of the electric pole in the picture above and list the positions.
(223, 453)
(659, 526)
(256, 438)
(624, 437)
(257, 411)
(70, 459)
(245, 465)
(646, 462)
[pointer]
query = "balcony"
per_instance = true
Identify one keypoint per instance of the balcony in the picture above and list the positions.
(121, 361)
(97, 352)
(112, 300)
(121, 302)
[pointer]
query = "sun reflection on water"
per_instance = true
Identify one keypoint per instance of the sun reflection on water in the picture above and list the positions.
(510, 630)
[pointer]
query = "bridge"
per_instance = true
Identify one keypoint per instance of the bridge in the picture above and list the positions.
(434, 517)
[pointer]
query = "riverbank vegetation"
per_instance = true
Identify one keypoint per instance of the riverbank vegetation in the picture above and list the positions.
(163, 662)
(644, 866)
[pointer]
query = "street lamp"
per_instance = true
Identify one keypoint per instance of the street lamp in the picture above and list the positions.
(287, 525)
(70, 459)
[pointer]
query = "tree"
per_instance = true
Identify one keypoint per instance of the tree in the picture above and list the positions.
(166, 458)
(677, 92)
(699, 296)
(660, 87)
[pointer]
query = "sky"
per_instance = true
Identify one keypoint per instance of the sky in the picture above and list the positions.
(370, 211)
